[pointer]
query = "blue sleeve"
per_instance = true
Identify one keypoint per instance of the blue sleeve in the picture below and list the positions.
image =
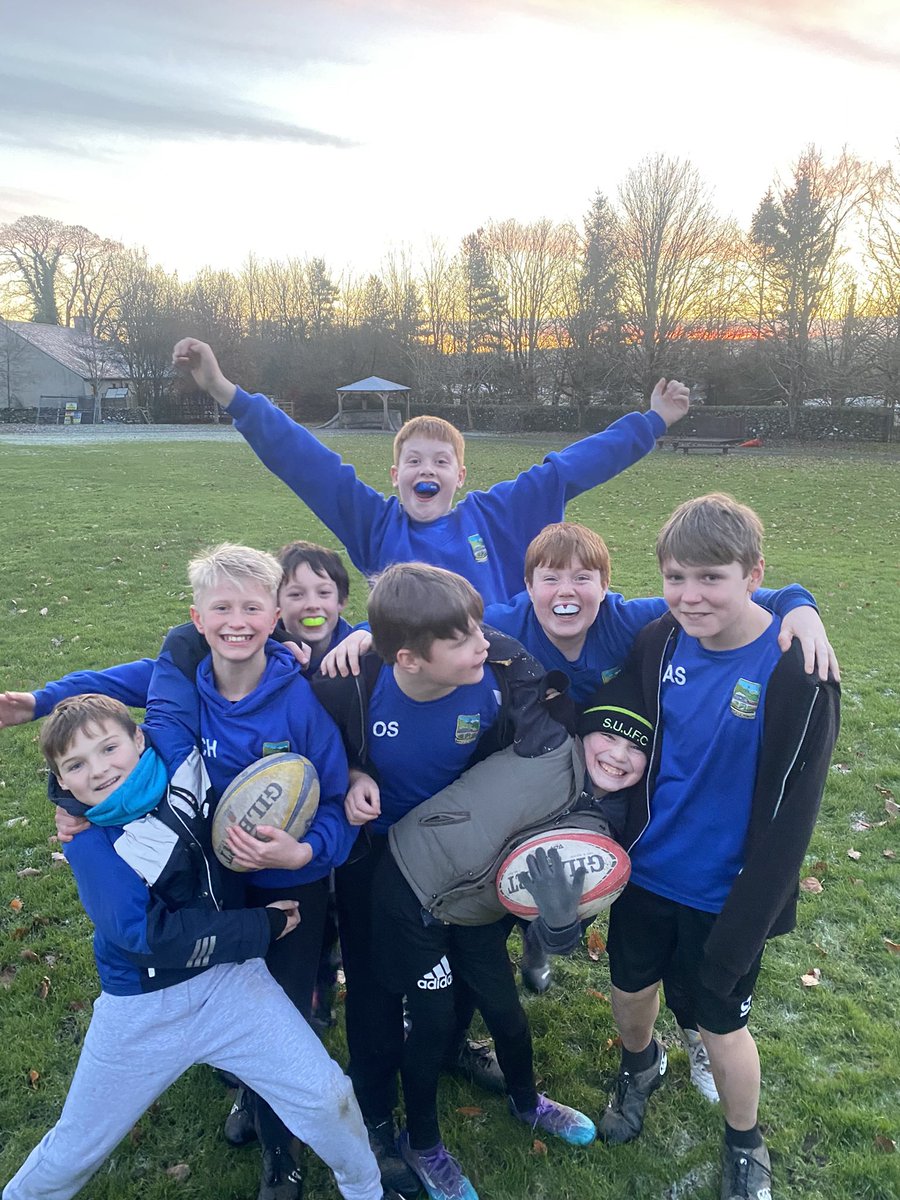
(355, 513)
(128, 916)
(330, 835)
(585, 464)
(127, 682)
(173, 712)
(784, 600)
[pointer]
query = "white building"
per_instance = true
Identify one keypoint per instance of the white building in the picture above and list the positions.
(67, 371)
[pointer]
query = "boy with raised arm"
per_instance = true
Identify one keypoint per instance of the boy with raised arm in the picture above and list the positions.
(169, 954)
(484, 537)
(717, 836)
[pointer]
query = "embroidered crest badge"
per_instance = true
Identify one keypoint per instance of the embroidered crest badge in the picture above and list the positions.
(745, 699)
(478, 548)
(467, 729)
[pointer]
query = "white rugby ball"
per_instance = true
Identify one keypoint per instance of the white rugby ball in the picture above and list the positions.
(606, 862)
(280, 789)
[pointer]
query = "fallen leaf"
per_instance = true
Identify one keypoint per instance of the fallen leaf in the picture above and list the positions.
(894, 947)
(812, 979)
(181, 1172)
(53, 840)
(885, 1144)
(892, 808)
(811, 885)
(841, 768)
(859, 826)
(538, 1147)
(820, 949)
(470, 1110)
(854, 854)
(50, 960)
(77, 1005)
(889, 853)
(612, 1042)
(595, 945)
(29, 955)
(44, 611)
(57, 858)
(16, 904)
(819, 867)
(44, 988)
(27, 872)
(16, 821)
(856, 882)
(19, 933)
(135, 1135)
(598, 995)
(33, 1077)
(7, 975)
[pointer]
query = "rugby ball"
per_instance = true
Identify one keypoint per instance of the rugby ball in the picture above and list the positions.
(280, 789)
(606, 862)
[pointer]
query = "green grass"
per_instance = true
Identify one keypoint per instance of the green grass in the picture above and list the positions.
(96, 541)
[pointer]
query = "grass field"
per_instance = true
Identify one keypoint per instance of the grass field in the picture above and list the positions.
(95, 544)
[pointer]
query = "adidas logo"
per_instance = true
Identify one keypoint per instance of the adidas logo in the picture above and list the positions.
(440, 976)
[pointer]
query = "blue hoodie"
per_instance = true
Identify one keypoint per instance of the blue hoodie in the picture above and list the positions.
(281, 713)
(483, 538)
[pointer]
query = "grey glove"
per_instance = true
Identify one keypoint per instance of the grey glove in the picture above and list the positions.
(555, 895)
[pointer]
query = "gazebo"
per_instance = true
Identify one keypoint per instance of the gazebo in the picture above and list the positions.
(373, 386)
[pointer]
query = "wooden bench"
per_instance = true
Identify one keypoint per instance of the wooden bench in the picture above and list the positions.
(689, 443)
(703, 431)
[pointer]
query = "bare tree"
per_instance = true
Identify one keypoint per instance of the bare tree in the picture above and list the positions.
(529, 263)
(149, 304)
(671, 245)
(882, 303)
(31, 251)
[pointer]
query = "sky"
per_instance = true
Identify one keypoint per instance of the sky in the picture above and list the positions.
(204, 130)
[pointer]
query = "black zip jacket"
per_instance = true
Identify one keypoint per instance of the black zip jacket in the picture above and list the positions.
(802, 719)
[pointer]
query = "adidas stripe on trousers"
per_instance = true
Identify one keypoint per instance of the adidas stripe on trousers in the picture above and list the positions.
(234, 1017)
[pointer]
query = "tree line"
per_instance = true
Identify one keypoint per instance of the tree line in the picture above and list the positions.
(654, 281)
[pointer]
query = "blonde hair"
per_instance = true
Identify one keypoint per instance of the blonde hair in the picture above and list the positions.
(558, 545)
(711, 530)
(413, 605)
(238, 565)
(436, 429)
(79, 713)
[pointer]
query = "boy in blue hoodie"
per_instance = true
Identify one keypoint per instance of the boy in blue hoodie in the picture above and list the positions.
(247, 699)
(168, 953)
(484, 537)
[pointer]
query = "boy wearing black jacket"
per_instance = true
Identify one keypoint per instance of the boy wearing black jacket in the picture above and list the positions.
(169, 955)
(738, 763)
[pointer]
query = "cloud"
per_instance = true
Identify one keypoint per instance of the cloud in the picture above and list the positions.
(51, 112)
(73, 76)
(16, 201)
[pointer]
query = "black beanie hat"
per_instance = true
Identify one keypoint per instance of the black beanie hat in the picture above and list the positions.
(618, 708)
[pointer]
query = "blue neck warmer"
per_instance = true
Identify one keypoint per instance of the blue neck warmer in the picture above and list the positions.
(136, 796)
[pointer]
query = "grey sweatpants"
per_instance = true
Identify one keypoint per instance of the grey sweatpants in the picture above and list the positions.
(235, 1017)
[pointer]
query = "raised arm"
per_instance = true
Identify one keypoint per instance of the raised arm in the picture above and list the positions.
(198, 358)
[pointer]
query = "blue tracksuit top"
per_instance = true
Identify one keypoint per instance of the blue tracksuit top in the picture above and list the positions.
(609, 640)
(136, 934)
(155, 897)
(484, 538)
(282, 708)
(281, 713)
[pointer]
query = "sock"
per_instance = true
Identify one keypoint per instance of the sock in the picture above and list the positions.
(632, 1063)
(744, 1139)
